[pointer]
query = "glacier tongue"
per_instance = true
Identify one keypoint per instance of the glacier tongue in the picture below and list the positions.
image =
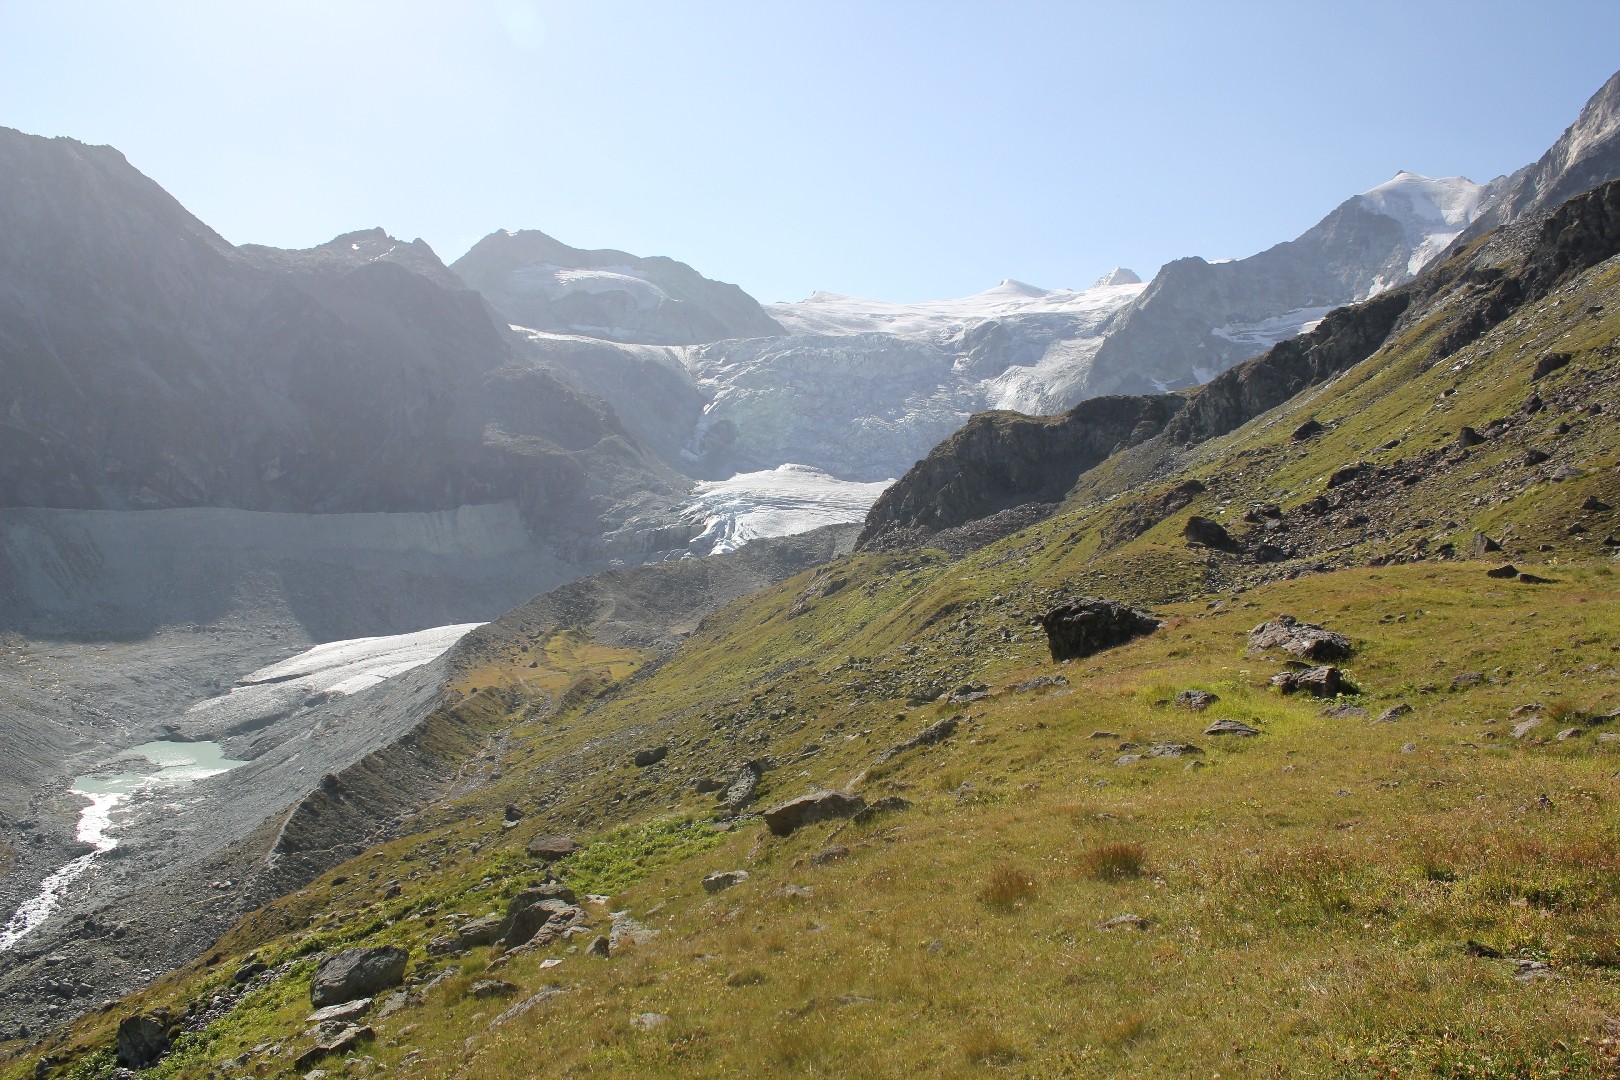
(782, 501)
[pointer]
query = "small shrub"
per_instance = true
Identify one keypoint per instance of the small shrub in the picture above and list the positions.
(1008, 886)
(1114, 862)
(983, 1045)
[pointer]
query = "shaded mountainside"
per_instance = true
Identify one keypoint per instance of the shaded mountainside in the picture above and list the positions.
(543, 284)
(1472, 292)
(147, 363)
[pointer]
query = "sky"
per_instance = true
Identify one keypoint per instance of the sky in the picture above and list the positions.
(896, 150)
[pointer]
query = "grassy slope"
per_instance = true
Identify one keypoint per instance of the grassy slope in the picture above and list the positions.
(1310, 890)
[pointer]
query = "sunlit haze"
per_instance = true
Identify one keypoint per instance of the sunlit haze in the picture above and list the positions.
(900, 150)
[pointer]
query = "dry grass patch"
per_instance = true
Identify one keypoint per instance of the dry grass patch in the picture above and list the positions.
(1008, 887)
(1114, 862)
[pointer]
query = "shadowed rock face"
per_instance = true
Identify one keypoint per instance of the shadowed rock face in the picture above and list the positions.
(1000, 460)
(147, 363)
(1089, 626)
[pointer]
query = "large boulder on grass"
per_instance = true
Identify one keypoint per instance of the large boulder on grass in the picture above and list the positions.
(794, 814)
(357, 973)
(1090, 625)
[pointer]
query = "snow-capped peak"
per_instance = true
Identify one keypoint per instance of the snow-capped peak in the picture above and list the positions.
(1119, 275)
(1431, 212)
(1424, 205)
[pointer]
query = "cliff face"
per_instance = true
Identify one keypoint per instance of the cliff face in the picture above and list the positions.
(999, 460)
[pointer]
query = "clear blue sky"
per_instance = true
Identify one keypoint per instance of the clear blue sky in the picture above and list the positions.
(899, 150)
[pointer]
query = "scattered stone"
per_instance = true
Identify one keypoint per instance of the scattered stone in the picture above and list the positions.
(1596, 505)
(551, 890)
(356, 973)
(1089, 625)
(1310, 429)
(1270, 553)
(1230, 727)
(491, 988)
(1525, 727)
(1467, 679)
(1196, 700)
(1528, 971)
(1322, 682)
(481, 931)
(527, 1004)
(1208, 533)
(249, 971)
(1039, 682)
(1549, 364)
(649, 755)
(721, 880)
(1127, 759)
(785, 818)
(705, 785)
(796, 892)
(1567, 734)
(598, 947)
(339, 1043)
(1393, 713)
(513, 812)
(967, 693)
(1103, 735)
(743, 788)
(1466, 437)
(933, 733)
(1346, 474)
(829, 855)
(1536, 456)
(551, 848)
(1126, 921)
(1172, 750)
(648, 1021)
(1409, 748)
(1482, 545)
(1343, 712)
(143, 1039)
(627, 931)
(340, 1014)
(396, 1001)
(1304, 640)
(543, 919)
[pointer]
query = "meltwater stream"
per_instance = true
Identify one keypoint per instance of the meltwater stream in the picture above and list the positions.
(177, 763)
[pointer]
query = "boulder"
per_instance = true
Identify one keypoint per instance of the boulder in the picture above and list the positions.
(529, 897)
(1090, 625)
(341, 1042)
(1230, 727)
(1212, 534)
(340, 1014)
(1506, 570)
(1466, 437)
(143, 1039)
(1304, 640)
(1310, 429)
(1196, 700)
(1550, 363)
(785, 818)
(936, 732)
(1393, 713)
(357, 973)
(721, 880)
(649, 755)
(742, 789)
(551, 848)
(481, 931)
(1324, 682)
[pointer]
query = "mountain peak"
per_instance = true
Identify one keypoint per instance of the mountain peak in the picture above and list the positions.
(1119, 275)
